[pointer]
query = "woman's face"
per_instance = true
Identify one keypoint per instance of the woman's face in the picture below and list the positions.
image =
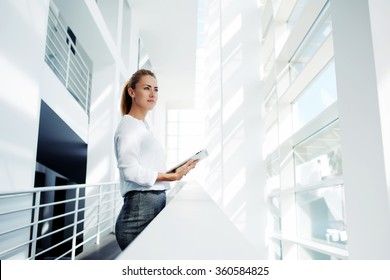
(145, 94)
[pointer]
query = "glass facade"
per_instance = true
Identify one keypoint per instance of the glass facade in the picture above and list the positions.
(306, 205)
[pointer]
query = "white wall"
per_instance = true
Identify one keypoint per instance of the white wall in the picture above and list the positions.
(111, 13)
(26, 79)
(23, 31)
(237, 172)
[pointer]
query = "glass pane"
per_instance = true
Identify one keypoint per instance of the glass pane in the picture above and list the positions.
(269, 65)
(273, 172)
(319, 157)
(276, 247)
(172, 142)
(319, 95)
(307, 254)
(270, 101)
(321, 215)
(271, 139)
(313, 40)
(172, 157)
(172, 128)
(272, 166)
(173, 115)
(191, 128)
(274, 208)
(296, 13)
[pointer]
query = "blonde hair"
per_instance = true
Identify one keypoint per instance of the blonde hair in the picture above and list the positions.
(126, 100)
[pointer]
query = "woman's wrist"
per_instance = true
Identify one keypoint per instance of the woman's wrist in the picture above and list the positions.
(166, 177)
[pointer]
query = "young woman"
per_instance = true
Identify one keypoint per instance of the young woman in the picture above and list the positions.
(141, 160)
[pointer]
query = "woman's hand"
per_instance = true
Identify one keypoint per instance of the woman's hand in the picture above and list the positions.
(179, 173)
(185, 168)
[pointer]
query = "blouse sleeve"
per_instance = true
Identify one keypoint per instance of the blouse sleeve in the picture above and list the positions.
(128, 147)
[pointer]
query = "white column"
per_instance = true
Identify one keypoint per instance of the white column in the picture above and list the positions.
(367, 203)
(242, 132)
(379, 10)
(214, 180)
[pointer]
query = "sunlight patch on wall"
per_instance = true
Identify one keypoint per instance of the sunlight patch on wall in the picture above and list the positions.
(14, 81)
(99, 172)
(234, 186)
(102, 96)
(231, 30)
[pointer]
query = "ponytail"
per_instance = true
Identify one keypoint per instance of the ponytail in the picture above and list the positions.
(126, 100)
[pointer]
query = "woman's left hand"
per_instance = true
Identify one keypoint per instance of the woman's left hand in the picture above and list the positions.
(179, 173)
(185, 168)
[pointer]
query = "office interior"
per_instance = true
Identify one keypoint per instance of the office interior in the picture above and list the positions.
(289, 97)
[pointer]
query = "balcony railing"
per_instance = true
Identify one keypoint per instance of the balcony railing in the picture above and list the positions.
(56, 222)
(68, 60)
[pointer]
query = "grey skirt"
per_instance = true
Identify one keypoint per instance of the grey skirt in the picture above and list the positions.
(138, 210)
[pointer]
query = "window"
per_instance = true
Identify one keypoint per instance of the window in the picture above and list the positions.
(318, 158)
(318, 95)
(182, 137)
(296, 13)
(307, 254)
(318, 33)
(321, 215)
(313, 40)
(319, 188)
(305, 188)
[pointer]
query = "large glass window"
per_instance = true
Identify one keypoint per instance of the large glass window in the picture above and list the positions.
(182, 137)
(306, 206)
(321, 215)
(320, 193)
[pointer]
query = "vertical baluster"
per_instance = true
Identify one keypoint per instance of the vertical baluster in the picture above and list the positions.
(87, 97)
(114, 216)
(76, 210)
(98, 215)
(68, 63)
(35, 208)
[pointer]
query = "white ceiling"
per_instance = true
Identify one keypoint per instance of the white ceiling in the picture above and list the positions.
(168, 30)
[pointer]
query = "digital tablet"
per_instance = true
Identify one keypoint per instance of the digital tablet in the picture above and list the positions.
(198, 156)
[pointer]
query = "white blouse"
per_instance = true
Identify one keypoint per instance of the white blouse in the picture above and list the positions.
(139, 155)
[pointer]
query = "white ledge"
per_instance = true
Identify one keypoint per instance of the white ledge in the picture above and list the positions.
(191, 227)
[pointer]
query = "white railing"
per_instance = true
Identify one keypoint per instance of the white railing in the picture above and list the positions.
(68, 61)
(56, 222)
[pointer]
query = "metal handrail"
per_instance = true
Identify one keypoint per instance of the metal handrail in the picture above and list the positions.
(91, 225)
